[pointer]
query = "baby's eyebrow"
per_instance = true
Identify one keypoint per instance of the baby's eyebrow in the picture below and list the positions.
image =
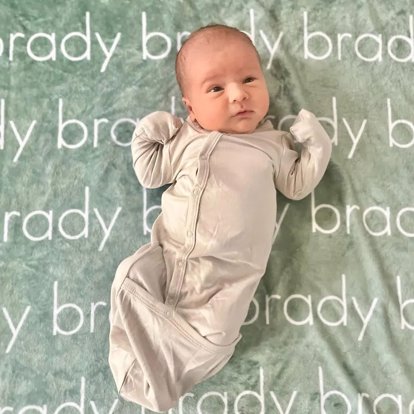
(210, 79)
(210, 76)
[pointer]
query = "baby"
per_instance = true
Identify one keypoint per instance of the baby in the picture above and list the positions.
(178, 303)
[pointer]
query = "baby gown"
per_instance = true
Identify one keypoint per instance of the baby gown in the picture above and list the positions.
(178, 303)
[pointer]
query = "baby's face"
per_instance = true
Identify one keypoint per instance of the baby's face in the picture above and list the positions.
(224, 86)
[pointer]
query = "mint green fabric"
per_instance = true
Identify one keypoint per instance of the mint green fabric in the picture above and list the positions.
(331, 327)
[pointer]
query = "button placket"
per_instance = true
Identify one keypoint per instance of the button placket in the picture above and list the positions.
(201, 180)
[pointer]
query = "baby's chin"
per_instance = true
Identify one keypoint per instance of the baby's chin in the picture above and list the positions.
(238, 129)
(242, 126)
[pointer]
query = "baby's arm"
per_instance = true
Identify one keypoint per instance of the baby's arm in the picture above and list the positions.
(150, 148)
(300, 173)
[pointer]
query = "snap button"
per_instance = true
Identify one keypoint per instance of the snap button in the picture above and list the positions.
(196, 190)
(169, 301)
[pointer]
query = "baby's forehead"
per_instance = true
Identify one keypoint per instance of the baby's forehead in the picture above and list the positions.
(208, 39)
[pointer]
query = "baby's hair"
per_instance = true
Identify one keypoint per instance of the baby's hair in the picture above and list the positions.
(211, 28)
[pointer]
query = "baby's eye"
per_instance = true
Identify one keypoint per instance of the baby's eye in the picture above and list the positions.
(249, 79)
(215, 89)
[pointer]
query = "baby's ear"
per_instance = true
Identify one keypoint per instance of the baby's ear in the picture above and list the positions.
(187, 104)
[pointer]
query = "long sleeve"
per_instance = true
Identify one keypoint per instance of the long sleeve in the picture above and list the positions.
(151, 148)
(299, 173)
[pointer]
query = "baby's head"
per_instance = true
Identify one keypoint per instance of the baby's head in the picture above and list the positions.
(221, 80)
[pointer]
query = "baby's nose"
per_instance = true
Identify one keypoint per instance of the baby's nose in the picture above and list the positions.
(237, 93)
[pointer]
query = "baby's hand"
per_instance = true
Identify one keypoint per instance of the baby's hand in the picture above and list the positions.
(307, 128)
(159, 126)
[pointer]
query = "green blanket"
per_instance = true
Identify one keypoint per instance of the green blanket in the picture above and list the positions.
(331, 327)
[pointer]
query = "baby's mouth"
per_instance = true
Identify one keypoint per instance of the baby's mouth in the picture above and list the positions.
(244, 112)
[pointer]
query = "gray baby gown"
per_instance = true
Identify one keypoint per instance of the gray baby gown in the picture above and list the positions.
(178, 303)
